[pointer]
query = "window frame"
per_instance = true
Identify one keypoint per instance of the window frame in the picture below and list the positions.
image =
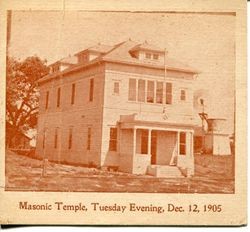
(47, 100)
(73, 93)
(169, 93)
(91, 89)
(113, 139)
(150, 91)
(144, 141)
(89, 133)
(116, 88)
(156, 56)
(58, 101)
(148, 55)
(182, 144)
(183, 95)
(70, 138)
(132, 89)
(141, 92)
(56, 138)
(161, 93)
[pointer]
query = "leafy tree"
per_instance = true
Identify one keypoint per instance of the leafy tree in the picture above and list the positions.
(22, 93)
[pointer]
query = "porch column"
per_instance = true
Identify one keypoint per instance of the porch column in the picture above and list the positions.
(149, 141)
(192, 144)
(178, 142)
(134, 141)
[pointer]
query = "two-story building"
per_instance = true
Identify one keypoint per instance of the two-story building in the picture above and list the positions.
(128, 106)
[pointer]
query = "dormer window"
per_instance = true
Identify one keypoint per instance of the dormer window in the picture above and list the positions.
(83, 58)
(54, 68)
(148, 55)
(151, 56)
(155, 56)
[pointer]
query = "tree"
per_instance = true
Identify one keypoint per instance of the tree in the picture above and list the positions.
(22, 93)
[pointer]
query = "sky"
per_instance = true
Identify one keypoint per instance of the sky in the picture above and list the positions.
(206, 42)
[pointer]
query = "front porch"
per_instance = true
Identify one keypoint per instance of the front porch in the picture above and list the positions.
(160, 151)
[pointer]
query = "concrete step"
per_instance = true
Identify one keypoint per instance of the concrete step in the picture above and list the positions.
(164, 171)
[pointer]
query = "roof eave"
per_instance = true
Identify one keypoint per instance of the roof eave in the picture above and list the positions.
(152, 66)
(75, 68)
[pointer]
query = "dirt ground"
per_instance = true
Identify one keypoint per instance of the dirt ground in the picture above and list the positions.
(212, 175)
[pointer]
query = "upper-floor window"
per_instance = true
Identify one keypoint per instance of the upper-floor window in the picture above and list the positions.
(159, 92)
(89, 138)
(73, 92)
(47, 100)
(113, 139)
(183, 95)
(141, 90)
(116, 89)
(58, 97)
(182, 143)
(168, 93)
(132, 90)
(148, 55)
(150, 92)
(91, 89)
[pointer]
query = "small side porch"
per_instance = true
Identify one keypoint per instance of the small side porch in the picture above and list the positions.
(161, 151)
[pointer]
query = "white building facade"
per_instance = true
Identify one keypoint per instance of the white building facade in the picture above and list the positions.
(127, 106)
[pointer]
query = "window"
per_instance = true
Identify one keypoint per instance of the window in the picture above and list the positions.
(168, 93)
(183, 95)
(148, 55)
(55, 68)
(132, 90)
(58, 97)
(113, 139)
(89, 139)
(141, 90)
(47, 100)
(73, 90)
(116, 88)
(91, 89)
(150, 92)
(56, 138)
(144, 141)
(182, 143)
(44, 138)
(70, 138)
(159, 92)
(155, 56)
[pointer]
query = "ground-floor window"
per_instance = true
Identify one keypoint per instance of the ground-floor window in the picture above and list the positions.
(89, 139)
(70, 138)
(144, 141)
(113, 139)
(44, 137)
(182, 143)
(56, 138)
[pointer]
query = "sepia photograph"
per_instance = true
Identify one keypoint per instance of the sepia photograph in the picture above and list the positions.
(123, 113)
(104, 101)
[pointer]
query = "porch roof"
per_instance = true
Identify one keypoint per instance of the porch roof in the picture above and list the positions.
(164, 126)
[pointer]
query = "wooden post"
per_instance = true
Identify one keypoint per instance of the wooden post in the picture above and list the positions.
(149, 141)
(134, 141)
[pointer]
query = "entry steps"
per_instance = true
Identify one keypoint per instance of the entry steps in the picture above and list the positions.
(166, 171)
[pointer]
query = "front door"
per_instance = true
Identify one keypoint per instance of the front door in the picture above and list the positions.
(153, 146)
